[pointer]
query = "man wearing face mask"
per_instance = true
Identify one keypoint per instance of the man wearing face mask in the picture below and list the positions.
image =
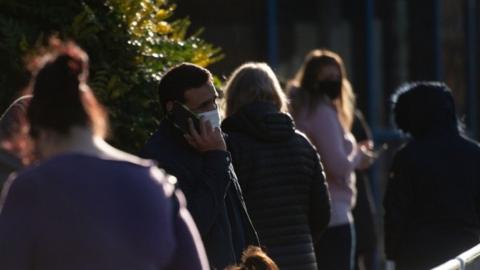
(198, 157)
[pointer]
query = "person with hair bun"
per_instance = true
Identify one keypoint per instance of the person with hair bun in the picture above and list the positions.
(86, 204)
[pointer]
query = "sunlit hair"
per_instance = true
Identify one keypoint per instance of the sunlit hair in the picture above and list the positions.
(61, 97)
(253, 82)
(304, 94)
(253, 258)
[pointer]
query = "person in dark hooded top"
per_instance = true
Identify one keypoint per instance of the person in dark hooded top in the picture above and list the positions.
(278, 169)
(432, 207)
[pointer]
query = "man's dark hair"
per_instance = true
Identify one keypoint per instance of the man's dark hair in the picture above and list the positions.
(179, 79)
(420, 108)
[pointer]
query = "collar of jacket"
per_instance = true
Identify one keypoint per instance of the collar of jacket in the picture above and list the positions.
(261, 120)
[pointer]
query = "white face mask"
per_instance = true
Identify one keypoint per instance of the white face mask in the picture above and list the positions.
(213, 116)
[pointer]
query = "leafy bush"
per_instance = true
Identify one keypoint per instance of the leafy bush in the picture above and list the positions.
(130, 44)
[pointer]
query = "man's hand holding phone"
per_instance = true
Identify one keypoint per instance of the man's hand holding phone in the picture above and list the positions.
(206, 138)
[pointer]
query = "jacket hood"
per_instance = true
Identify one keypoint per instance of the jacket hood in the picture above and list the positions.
(261, 120)
(423, 109)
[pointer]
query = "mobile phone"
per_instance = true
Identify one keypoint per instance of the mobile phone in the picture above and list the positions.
(179, 116)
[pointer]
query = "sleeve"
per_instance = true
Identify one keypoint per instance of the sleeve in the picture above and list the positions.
(319, 201)
(360, 128)
(397, 204)
(240, 170)
(188, 241)
(329, 140)
(16, 224)
(205, 192)
(242, 166)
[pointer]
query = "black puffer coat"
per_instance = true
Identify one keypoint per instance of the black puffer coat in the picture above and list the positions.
(283, 183)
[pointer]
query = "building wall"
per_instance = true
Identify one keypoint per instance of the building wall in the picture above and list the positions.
(403, 40)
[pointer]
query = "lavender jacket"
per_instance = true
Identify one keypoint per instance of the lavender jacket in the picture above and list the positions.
(75, 211)
(339, 154)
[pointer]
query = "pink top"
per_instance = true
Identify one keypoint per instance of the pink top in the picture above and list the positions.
(339, 155)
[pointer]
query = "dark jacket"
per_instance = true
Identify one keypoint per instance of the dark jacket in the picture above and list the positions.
(283, 183)
(432, 202)
(214, 197)
(76, 212)
(364, 210)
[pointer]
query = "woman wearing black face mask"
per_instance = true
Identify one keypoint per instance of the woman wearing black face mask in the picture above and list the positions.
(322, 104)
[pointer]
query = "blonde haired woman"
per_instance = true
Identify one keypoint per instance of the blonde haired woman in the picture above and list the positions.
(323, 107)
(278, 169)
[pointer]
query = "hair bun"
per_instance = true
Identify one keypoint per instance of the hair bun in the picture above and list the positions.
(75, 66)
(57, 102)
(69, 66)
(59, 79)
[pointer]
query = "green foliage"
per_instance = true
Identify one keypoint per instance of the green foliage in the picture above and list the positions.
(130, 43)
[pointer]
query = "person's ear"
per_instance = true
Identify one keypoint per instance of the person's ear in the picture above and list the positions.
(169, 106)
